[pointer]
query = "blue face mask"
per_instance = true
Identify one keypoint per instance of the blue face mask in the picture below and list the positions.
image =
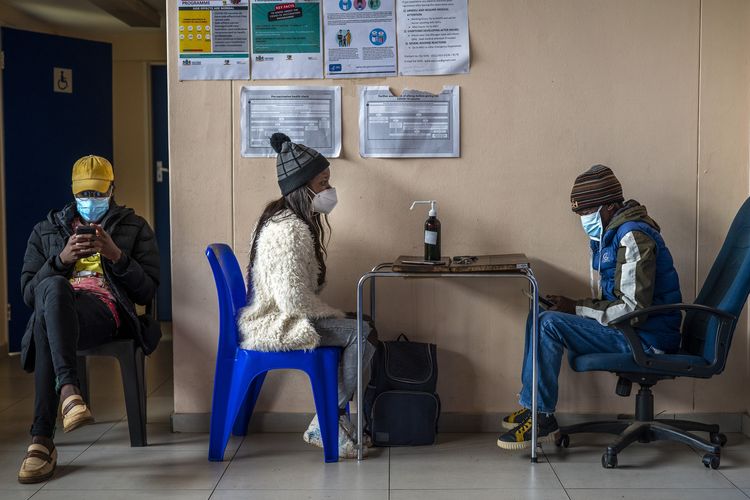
(592, 224)
(92, 209)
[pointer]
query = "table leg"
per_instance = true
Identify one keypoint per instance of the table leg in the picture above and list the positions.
(360, 405)
(534, 363)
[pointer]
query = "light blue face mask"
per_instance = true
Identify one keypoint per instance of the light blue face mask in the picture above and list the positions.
(592, 224)
(92, 209)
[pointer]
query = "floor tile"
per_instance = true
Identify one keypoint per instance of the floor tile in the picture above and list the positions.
(14, 435)
(654, 494)
(300, 495)
(104, 469)
(46, 494)
(14, 495)
(460, 462)
(284, 461)
(735, 462)
(651, 468)
(10, 461)
(160, 437)
(501, 494)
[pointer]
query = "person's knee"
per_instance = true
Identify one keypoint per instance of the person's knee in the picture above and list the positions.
(548, 322)
(53, 287)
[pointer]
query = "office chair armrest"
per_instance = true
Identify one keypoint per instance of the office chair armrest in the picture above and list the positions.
(654, 363)
(670, 307)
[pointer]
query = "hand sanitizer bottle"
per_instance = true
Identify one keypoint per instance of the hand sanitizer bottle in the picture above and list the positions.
(431, 231)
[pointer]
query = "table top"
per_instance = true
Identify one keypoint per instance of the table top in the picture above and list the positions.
(517, 262)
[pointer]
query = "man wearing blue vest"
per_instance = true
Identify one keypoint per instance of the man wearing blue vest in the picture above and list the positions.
(635, 271)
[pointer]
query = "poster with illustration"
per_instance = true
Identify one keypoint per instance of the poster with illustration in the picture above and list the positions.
(360, 38)
(213, 39)
(287, 39)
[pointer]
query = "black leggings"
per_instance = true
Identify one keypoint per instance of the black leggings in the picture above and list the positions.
(65, 320)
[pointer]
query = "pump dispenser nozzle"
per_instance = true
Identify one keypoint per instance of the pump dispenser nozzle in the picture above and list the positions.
(432, 203)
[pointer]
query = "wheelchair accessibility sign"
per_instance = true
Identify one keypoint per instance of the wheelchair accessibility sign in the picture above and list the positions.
(62, 80)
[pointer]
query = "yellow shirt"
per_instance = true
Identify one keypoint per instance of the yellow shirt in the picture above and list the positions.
(91, 263)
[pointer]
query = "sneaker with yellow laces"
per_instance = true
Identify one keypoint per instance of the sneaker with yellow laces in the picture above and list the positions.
(511, 421)
(519, 437)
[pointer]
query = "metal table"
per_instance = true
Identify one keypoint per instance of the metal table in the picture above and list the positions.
(385, 270)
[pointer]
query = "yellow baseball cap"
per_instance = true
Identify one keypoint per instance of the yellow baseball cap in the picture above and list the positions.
(92, 173)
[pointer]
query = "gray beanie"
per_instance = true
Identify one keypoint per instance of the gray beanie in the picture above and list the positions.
(296, 164)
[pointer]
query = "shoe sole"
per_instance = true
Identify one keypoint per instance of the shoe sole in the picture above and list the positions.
(549, 438)
(37, 479)
(78, 423)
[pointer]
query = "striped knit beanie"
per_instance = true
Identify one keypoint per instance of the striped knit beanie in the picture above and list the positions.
(296, 164)
(595, 187)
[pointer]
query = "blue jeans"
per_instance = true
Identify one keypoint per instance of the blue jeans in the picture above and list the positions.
(558, 331)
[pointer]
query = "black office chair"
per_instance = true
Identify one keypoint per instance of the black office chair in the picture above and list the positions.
(707, 331)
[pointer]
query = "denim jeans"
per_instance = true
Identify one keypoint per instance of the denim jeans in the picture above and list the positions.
(342, 332)
(65, 320)
(558, 331)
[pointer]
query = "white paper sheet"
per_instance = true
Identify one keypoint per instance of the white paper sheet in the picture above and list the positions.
(433, 37)
(360, 38)
(414, 124)
(213, 40)
(310, 115)
(287, 39)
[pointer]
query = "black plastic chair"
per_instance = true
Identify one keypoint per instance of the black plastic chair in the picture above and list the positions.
(707, 332)
(133, 370)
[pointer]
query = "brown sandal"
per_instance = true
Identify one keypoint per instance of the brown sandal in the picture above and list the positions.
(38, 465)
(75, 413)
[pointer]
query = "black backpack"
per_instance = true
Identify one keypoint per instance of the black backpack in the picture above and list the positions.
(401, 405)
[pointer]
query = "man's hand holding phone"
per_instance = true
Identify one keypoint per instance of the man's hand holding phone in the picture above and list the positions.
(80, 245)
(561, 304)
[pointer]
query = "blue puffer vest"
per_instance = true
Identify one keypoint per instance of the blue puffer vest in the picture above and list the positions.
(659, 330)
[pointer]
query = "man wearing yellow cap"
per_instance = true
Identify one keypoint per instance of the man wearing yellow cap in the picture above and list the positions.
(85, 268)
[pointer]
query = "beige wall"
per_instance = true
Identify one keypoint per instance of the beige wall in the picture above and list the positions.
(132, 55)
(554, 88)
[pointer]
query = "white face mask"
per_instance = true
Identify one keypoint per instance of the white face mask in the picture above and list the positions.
(324, 201)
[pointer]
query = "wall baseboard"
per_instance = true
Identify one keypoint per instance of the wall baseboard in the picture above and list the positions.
(449, 422)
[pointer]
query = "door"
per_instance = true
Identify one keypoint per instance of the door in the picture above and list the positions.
(159, 140)
(57, 101)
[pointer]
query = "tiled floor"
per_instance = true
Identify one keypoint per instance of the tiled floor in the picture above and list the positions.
(96, 462)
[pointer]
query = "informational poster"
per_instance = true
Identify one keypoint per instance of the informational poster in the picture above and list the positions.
(433, 37)
(360, 38)
(287, 39)
(310, 115)
(414, 124)
(213, 39)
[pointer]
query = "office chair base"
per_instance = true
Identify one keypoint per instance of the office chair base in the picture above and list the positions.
(645, 429)
(646, 432)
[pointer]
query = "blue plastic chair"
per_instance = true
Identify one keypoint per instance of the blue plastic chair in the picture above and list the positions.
(240, 372)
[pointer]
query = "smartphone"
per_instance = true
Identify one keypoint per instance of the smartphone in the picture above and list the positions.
(542, 300)
(85, 230)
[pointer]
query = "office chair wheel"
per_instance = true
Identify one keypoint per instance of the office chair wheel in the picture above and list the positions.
(711, 460)
(563, 440)
(609, 460)
(718, 438)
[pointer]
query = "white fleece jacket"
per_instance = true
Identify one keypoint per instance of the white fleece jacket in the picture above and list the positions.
(285, 281)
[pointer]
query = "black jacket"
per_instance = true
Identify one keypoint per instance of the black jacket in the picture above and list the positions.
(133, 280)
